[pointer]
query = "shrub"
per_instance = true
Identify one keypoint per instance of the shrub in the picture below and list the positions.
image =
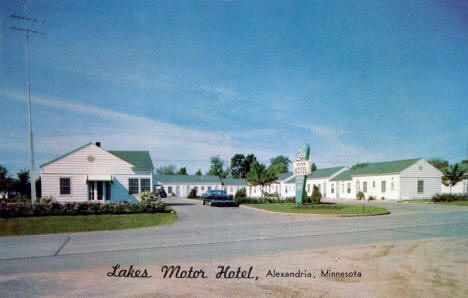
(382, 198)
(360, 195)
(371, 198)
(262, 201)
(241, 193)
(447, 197)
(9, 208)
(148, 197)
(192, 194)
(316, 195)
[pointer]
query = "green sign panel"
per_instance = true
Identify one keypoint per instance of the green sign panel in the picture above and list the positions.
(301, 170)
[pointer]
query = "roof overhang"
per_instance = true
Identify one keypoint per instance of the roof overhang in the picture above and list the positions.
(99, 178)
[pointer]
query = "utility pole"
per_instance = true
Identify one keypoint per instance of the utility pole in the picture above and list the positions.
(31, 147)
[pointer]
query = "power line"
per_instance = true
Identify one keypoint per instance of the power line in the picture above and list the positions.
(31, 143)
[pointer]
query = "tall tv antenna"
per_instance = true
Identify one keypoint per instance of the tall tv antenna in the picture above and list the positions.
(27, 32)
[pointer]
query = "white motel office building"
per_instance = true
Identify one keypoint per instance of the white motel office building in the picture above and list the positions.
(90, 173)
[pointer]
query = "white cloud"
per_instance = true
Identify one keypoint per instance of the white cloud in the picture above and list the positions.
(166, 142)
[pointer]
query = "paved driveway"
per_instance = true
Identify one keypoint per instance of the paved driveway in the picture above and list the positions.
(204, 232)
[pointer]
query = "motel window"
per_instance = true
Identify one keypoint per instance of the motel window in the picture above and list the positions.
(373, 184)
(333, 188)
(145, 184)
(196, 188)
(169, 189)
(348, 188)
(392, 186)
(108, 191)
(202, 188)
(364, 186)
(65, 186)
(209, 187)
(420, 186)
(133, 186)
(383, 186)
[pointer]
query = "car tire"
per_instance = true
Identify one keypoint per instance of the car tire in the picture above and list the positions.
(204, 203)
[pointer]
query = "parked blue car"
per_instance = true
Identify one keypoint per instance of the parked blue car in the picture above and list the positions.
(218, 198)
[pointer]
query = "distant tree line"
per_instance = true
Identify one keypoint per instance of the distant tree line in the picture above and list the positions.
(19, 186)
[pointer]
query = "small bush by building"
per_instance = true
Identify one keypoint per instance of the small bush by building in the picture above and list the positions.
(240, 193)
(371, 198)
(360, 195)
(448, 197)
(192, 194)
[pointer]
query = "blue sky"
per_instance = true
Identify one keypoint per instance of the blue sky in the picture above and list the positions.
(358, 80)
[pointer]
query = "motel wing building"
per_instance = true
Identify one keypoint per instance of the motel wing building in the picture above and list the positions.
(181, 185)
(90, 173)
(394, 180)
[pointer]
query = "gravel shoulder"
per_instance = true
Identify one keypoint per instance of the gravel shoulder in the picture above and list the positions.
(416, 268)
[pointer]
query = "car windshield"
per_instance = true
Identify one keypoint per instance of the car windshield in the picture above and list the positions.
(218, 192)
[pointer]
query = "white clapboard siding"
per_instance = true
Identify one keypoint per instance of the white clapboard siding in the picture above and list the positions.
(77, 162)
(50, 184)
(421, 170)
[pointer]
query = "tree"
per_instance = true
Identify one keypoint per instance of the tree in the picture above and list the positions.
(260, 175)
(439, 163)
(166, 170)
(6, 183)
(313, 167)
(216, 167)
(240, 164)
(22, 183)
(182, 171)
(198, 173)
(359, 165)
(279, 164)
(453, 174)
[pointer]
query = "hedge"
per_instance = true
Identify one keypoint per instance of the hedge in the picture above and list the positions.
(262, 200)
(448, 197)
(10, 208)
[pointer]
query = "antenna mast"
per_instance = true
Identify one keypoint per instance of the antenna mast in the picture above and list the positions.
(31, 147)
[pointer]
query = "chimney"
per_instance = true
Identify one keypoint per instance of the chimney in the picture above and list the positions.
(98, 144)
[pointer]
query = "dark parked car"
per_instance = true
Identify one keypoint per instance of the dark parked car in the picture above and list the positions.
(218, 198)
(161, 193)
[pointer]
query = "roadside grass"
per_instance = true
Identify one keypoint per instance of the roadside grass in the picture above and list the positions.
(345, 209)
(429, 201)
(81, 223)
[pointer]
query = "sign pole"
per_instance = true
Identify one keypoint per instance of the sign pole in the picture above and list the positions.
(301, 170)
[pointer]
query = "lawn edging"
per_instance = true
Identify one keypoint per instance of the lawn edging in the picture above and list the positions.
(315, 214)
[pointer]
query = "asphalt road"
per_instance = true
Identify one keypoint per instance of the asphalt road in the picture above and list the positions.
(203, 233)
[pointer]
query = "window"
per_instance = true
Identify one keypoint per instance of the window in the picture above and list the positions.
(65, 186)
(364, 186)
(196, 188)
(108, 191)
(420, 186)
(348, 188)
(145, 184)
(99, 190)
(202, 188)
(169, 189)
(383, 186)
(333, 188)
(133, 186)
(286, 189)
(209, 187)
(342, 187)
(392, 186)
(373, 184)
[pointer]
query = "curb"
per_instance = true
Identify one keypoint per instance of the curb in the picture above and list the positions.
(315, 214)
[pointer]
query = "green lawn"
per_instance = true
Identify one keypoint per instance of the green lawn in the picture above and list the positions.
(345, 209)
(81, 223)
(428, 201)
